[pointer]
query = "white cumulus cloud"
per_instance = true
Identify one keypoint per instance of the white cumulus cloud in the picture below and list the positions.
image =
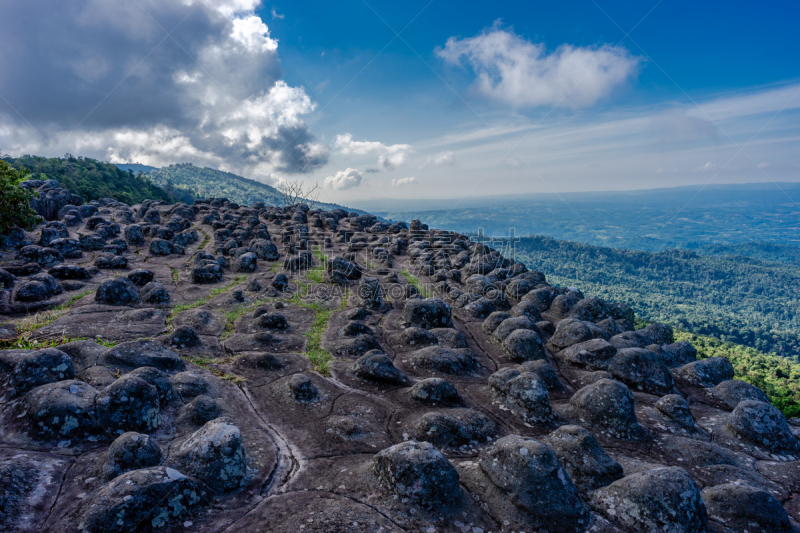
(708, 166)
(520, 73)
(389, 156)
(344, 179)
(404, 181)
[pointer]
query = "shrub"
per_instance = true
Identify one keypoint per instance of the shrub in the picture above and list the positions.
(15, 209)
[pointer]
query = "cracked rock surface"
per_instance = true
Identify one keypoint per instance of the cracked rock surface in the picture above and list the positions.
(224, 368)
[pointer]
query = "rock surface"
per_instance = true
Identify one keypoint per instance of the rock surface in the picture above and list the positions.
(212, 373)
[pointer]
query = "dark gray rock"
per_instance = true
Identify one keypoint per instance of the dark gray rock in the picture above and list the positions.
(37, 288)
(155, 293)
(185, 337)
(741, 507)
(141, 277)
(130, 451)
(571, 331)
(128, 404)
(213, 454)
(137, 354)
(69, 248)
(453, 428)
(117, 291)
(110, 261)
(509, 325)
(91, 241)
(419, 472)
(280, 282)
(706, 373)
(302, 388)
(44, 257)
(247, 262)
(480, 308)
(428, 313)
(158, 379)
(607, 406)
(376, 366)
(762, 425)
(447, 360)
(200, 410)
(656, 334)
(525, 391)
(69, 272)
(209, 273)
(675, 408)
(264, 249)
(675, 354)
(594, 354)
(733, 391)
(660, 499)
(134, 235)
(370, 293)
(493, 321)
(524, 345)
(543, 371)
(188, 384)
(641, 370)
(587, 463)
(527, 476)
(349, 270)
(268, 320)
(154, 497)
(161, 247)
(63, 410)
(41, 367)
(435, 390)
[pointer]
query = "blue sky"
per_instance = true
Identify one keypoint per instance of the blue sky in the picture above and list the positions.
(470, 99)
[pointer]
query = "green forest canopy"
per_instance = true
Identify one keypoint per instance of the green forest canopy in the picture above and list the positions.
(93, 179)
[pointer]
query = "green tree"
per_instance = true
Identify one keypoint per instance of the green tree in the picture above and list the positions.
(15, 209)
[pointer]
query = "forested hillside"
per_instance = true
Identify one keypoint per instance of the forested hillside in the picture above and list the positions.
(93, 179)
(208, 182)
(734, 298)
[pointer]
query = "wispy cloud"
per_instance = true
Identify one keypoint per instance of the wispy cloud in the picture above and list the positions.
(389, 156)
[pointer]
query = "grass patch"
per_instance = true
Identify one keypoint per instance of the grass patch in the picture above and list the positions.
(413, 280)
(42, 318)
(175, 274)
(207, 362)
(26, 343)
(197, 303)
(275, 267)
(232, 316)
(206, 239)
(316, 274)
(320, 359)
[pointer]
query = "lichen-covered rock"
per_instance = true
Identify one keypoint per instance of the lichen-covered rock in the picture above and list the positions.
(128, 404)
(588, 464)
(208, 273)
(185, 337)
(435, 390)
(428, 313)
(675, 354)
(158, 379)
(247, 262)
(64, 410)
(524, 345)
(642, 370)
(200, 410)
(707, 372)
(571, 331)
(543, 371)
(149, 498)
(607, 406)
(136, 354)
(525, 391)
(453, 428)
(37, 288)
(161, 247)
(494, 320)
(140, 277)
(110, 261)
(526, 474)
(189, 384)
(370, 293)
(661, 499)
(593, 354)
(419, 472)
(675, 408)
(376, 366)
(762, 425)
(41, 367)
(69, 272)
(267, 320)
(741, 507)
(155, 293)
(130, 451)
(446, 360)
(117, 291)
(213, 454)
(733, 391)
